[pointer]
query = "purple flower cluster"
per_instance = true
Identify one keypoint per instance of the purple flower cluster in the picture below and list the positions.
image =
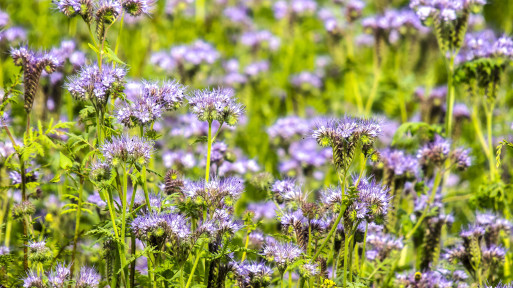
(91, 84)
(88, 278)
(288, 128)
(216, 193)
(427, 279)
(399, 164)
(261, 39)
(156, 228)
(484, 44)
(253, 274)
(289, 8)
(287, 191)
(282, 254)
(216, 104)
(371, 203)
(437, 152)
(381, 244)
(445, 10)
(394, 24)
(186, 57)
(148, 105)
(306, 81)
(331, 132)
(127, 150)
(58, 277)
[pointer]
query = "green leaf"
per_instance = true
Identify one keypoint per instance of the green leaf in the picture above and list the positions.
(200, 139)
(56, 178)
(113, 57)
(93, 48)
(64, 162)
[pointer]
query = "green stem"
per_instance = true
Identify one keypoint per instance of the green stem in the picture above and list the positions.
(246, 244)
(450, 97)
(123, 218)
(290, 279)
(196, 261)
(77, 225)
(491, 150)
(477, 127)
(145, 188)
(346, 254)
(337, 221)
(436, 183)
(363, 249)
(209, 150)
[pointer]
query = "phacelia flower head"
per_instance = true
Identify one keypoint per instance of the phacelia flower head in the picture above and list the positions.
(435, 152)
(39, 252)
(71, 8)
(253, 274)
(91, 84)
(372, 202)
(282, 254)
(156, 228)
(137, 7)
(215, 193)
(88, 278)
(216, 104)
(344, 135)
(260, 39)
(286, 191)
(128, 150)
(58, 277)
(33, 281)
(33, 64)
(148, 105)
(398, 164)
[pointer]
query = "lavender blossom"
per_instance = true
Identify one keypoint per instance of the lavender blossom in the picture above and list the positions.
(88, 278)
(253, 274)
(137, 7)
(306, 81)
(288, 128)
(71, 8)
(287, 190)
(434, 153)
(127, 150)
(217, 104)
(397, 164)
(260, 39)
(33, 281)
(58, 277)
(282, 254)
(215, 193)
(148, 105)
(92, 85)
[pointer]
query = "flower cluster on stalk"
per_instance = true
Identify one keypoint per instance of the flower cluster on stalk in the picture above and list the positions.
(216, 104)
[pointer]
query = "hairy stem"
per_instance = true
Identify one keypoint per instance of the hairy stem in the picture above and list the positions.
(77, 225)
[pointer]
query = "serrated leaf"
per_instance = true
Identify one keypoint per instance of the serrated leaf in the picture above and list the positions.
(64, 161)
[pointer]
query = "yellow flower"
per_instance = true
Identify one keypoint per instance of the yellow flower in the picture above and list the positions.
(49, 218)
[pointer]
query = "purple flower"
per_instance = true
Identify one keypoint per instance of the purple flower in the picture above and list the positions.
(373, 199)
(435, 152)
(216, 193)
(88, 278)
(151, 227)
(262, 210)
(253, 274)
(282, 254)
(217, 104)
(400, 164)
(287, 190)
(33, 281)
(137, 7)
(4, 19)
(148, 105)
(260, 39)
(58, 277)
(128, 150)
(91, 84)
(306, 81)
(288, 128)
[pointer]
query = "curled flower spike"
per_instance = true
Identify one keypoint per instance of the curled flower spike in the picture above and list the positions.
(287, 191)
(217, 104)
(88, 278)
(71, 8)
(137, 7)
(33, 64)
(435, 152)
(93, 85)
(127, 150)
(106, 12)
(39, 252)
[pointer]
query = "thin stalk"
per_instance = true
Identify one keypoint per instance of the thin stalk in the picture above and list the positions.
(123, 218)
(477, 128)
(363, 249)
(77, 225)
(246, 244)
(181, 277)
(290, 279)
(351, 74)
(491, 150)
(132, 265)
(24, 198)
(209, 150)
(196, 261)
(450, 97)
(145, 188)
(151, 276)
(281, 280)
(346, 254)
(436, 183)
(337, 221)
